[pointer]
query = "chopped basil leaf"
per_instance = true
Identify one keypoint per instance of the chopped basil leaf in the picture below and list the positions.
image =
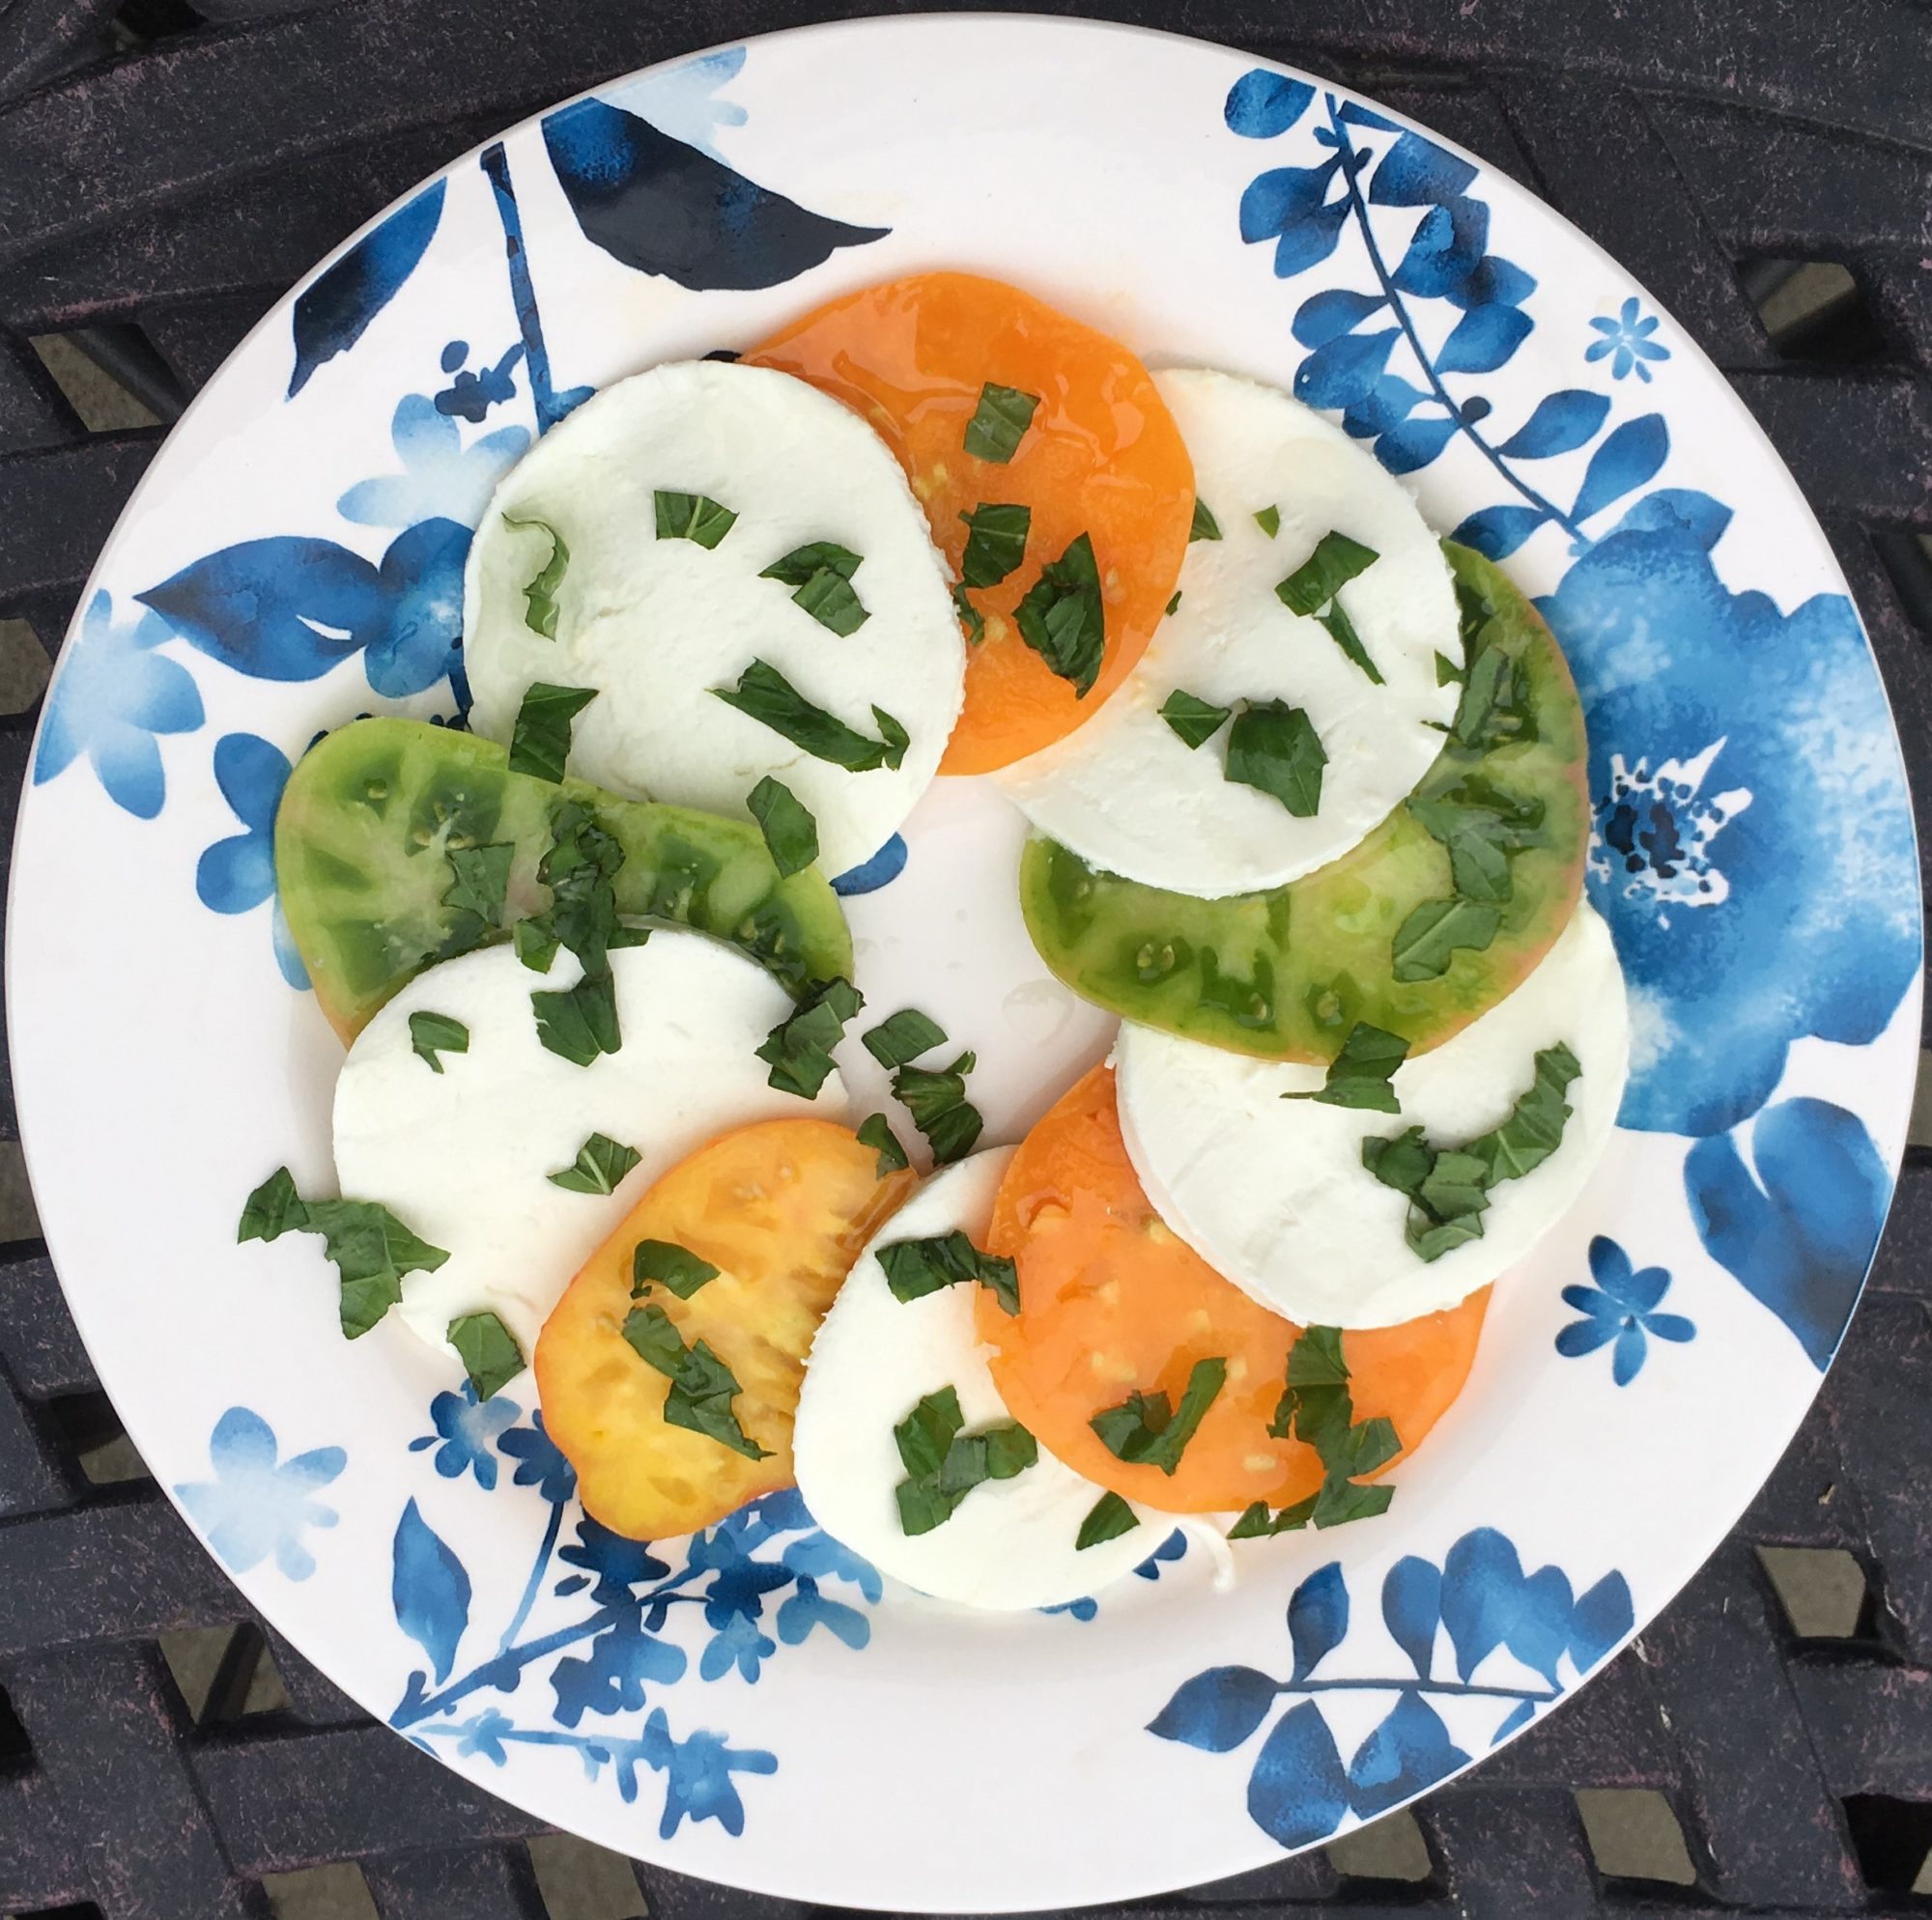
(600, 1167)
(1447, 672)
(1268, 520)
(665, 1263)
(996, 540)
(875, 1131)
(535, 944)
(580, 869)
(936, 1099)
(797, 568)
(580, 1021)
(1273, 748)
(1495, 708)
(767, 696)
(701, 1385)
(1194, 719)
(944, 1464)
(832, 599)
(915, 1268)
(1341, 630)
(1316, 1409)
(1173, 607)
(1448, 1188)
(1110, 1515)
(540, 595)
(1427, 940)
(1335, 561)
(481, 880)
(691, 516)
(1481, 824)
(1205, 527)
(371, 1247)
(433, 1033)
(1061, 616)
(1359, 1075)
(970, 616)
(540, 740)
(799, 1049)
(999, 422)
(791, 834)
(898, 1039)
(489, 1351)
(1145, 1431)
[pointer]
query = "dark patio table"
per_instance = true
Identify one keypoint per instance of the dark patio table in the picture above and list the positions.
(168, 169)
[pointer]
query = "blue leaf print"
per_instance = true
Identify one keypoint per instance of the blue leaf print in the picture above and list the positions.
(1495, 282)
(1321, 317)
(1630, 456)
(682, 100)
(868, 876)
(111, 697)
(662, 207)
(1482, 1580)
(1800, 1242)
(1496, 532)
(1384, 407)
(1415, 171)
(620, 1564)
(1410, 1752)
(429, 1591)
(333, 314)
(1260, 105)
(1446, 248)
(1291, 203)
(1669, 508)
(612, 1678)
(1298, 1791)
(237, 874)
(1412, 1609)
(699, 1772)
(283, 608)
(1540, 1633)
(1216, 1711)
(1318, 1616)
(823, 1557)
(1344, 371)
(1415, 443)
(422, 640)
(1601, 1617)
(1518, 1715)
(1561, 423)
(1482, 340)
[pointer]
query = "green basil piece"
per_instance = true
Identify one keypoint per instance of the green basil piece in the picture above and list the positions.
(797, 568)
(433, 1033)
(489, 1352)
(999, 422)
(1341, 630)
(996, 538)
(702, 1386)
(936, 1099)
(791, 834)
(540, 595)
(581, 1021)
(480, 880)
(1061, 616)
(665, 1263)
(1268, 520)
(1273, 748)
(1360, 1074)
(798, 1050)
(1145, 1430)
(1110, 1516)
(915, 1268)
(600, 1167)
(875, 1131)
(691, 516)
(970, 616)
(1173, 606)
(535, 944)
(944, 1464)
(1335, 561)
(898, 1039)
(832, 599)
(1426, 942)
(1205, 527)
(764, 695)
(540, 740)
(1195, 720)
(272, 1209)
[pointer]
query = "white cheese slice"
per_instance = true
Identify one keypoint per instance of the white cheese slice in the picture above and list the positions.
(1273, 1192)
(1127, 795)
(463, 1156)
(1009, 1543)
(654, 625)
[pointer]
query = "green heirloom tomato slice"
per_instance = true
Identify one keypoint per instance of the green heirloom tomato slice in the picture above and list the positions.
(1285, 975)
(373, 811)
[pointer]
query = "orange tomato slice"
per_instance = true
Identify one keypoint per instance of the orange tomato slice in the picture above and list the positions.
(1111, 1300)
(1101, 456)
(781, 1209)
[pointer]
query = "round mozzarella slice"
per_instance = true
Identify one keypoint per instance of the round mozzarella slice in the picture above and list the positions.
(462, 1157)
(1273, 1192)
(1009, 1543)
(1128, 794)
(653, 624)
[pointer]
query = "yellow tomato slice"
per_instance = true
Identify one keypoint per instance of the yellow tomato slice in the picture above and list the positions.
(1112, 1300)
(1101, 456)
(781, 1210)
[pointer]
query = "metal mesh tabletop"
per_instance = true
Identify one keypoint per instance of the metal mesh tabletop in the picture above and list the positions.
(166, 170)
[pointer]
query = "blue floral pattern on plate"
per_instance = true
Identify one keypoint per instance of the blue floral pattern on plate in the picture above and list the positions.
(1626, 341)
(1621, 1308)
(259, 1506)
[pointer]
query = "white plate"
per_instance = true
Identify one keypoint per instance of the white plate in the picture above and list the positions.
(803, 1732)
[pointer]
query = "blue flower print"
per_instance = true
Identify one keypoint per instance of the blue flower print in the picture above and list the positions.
(484, 1736)
(441, 479)
(700, 1770)
(1755, 849)
(739, 1644)
(256, 1506)
(615, 1564)
(467, 1430)
(470, 395)
(808, 1608)
(1622, 1308)
(111, 698)
(1628, 337)
(681, 100)
(540, 1463)
(236, 875)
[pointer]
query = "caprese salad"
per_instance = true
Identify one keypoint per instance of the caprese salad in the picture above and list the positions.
(1305, 786)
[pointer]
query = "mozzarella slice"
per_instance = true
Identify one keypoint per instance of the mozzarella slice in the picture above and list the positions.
(1009, 1543)
(463, 1156)
(1127, 792)
(653, 624)
(1273, 1192)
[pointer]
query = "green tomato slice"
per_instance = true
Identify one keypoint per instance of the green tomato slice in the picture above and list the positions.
(1286, 973)
(373, 810)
